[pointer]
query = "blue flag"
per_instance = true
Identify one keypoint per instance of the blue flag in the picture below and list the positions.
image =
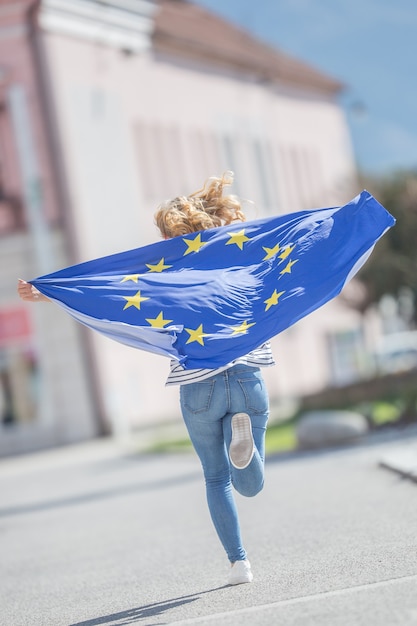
(212, 296)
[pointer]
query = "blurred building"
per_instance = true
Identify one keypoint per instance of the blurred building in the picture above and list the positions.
(108, 108)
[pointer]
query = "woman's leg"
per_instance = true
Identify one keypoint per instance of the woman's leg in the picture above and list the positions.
(203, 406)
(248, 395)
(250, 480)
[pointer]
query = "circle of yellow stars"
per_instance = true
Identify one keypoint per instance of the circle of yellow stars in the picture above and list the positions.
(194, 245)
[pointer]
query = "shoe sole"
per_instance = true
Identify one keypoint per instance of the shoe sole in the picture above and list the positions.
(242, 446)
(241, 581)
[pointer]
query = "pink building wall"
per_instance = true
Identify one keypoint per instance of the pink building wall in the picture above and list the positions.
(17, 19)
(134, 128)
(39, 350)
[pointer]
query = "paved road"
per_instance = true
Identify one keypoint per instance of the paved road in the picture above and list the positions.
(92, 535)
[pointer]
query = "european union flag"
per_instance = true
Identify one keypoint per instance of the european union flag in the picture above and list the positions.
(209, 297)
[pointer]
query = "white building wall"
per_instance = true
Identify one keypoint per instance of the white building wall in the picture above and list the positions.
(141, 128)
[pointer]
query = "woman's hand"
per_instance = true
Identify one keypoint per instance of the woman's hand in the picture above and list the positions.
(29, 293)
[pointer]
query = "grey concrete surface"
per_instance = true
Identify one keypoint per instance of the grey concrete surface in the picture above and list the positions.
(402, 460)
(96, 535)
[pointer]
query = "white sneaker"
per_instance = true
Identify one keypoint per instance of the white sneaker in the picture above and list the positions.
(240, 573)
(242, 447)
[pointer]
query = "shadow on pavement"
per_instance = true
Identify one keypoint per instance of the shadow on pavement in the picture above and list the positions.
(94, 496)
(141, 612)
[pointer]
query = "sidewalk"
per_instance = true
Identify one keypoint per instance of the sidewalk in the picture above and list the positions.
(402, 460)
(99, 535)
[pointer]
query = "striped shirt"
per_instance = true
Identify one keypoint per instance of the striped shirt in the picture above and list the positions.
(260, 357)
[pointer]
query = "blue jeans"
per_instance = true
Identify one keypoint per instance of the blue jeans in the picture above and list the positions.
(207, 408)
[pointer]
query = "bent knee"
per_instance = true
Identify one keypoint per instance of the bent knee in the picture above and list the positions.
(249, 491)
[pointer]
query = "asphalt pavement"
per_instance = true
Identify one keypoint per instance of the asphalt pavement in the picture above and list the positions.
(97, 534)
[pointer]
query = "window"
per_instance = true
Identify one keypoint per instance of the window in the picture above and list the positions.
(347, 356)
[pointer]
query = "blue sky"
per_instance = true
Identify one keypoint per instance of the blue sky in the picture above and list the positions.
(370, 45)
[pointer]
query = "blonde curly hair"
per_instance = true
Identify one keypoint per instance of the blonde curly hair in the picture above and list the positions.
(206, 208)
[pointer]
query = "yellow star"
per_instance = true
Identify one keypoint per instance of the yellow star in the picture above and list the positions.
(242, 328)
(196, 335)
(286, 252)
(134, 301)
(160, 267)
(194, 245)
(238, 238)
(133, 277)
(287, 268)
(158, 322)
(270, 252)
(273, 299)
